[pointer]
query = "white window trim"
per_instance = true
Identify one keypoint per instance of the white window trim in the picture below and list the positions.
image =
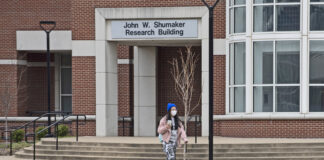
(60, 81)
(274, 4)
(274, 84)
(308, 22)
(303, 36)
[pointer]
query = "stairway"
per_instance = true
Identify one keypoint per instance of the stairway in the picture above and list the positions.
(121, 151)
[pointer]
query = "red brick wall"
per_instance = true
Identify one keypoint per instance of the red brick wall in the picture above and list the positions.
(83, 26)
(25, 15)
(125, 89)
(8, 81)
(270, 128)
(84, 85)
(219, 84)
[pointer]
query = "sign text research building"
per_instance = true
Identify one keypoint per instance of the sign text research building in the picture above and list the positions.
(111, 59)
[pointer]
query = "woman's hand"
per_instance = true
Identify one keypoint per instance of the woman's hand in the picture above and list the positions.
(168, 126)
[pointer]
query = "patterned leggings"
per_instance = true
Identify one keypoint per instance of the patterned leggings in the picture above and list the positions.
(170, 150)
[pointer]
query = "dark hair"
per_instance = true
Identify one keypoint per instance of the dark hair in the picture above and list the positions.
(176, 119)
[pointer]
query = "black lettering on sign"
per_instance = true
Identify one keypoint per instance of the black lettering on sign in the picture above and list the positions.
(146, 25)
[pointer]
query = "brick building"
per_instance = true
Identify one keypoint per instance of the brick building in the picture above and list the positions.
(110, 59)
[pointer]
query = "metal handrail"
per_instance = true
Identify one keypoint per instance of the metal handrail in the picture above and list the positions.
(122, 118)
(56, 130)
(34, 125)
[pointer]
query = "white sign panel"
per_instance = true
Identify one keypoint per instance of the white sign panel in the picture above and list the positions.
(148, 29)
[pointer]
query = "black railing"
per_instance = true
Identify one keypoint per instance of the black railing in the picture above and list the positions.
(56, 130)
(197, 123)
(128, 119)
(31, 113)
(25, 126)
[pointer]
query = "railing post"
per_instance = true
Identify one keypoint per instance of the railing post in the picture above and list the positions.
(10, 143)
(77, 128)
(34, 128)
(123, 126)
(196, 129)
(25, 133)
(56, 128)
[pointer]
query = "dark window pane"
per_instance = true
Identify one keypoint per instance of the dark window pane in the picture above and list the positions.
(317, 0)
(288, 18)
(239, 20)
(262, 1)
(239, 2)
(287, 62)
(66, 60)
(239, 63)
(263, 62)
(237, 99)
(66, 103)
(263, 99)
(263, 19)
(287, 99)
(316, 62)
(66, 80)
(316, 17)
(316, 99)
(287, 1)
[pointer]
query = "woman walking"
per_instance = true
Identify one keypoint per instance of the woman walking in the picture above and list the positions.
(172, 132)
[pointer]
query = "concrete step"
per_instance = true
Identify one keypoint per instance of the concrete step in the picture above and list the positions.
(216, 146)
(111, 153)
(125, 149)
(77, 157)
(84, 157)
(193, 150)
(161, 154)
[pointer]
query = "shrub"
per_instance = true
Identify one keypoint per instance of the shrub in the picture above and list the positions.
(42, 134)
(63, 130)
(18, 135)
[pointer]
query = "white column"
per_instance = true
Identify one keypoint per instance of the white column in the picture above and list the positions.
(304, 81)
(106, 89)
(204, 77)
(145, 91)
(304, 90)
(248, 59)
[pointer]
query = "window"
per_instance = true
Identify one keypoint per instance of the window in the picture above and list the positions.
(316, 76)
(276, 74)
(237, 16)
(237, 77)
(316, 15)
(279, 15)
(66, 83)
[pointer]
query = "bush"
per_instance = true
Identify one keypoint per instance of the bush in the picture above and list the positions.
(42, 134)
(63, 130)
(18, 135)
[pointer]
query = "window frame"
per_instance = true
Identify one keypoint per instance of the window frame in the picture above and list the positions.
(231, 30)
(308, 76)
(308, 18)
(274, 84)
(275, 4)
(230, 86)
(60, 75)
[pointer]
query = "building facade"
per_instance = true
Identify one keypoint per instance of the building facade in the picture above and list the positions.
(110, 59)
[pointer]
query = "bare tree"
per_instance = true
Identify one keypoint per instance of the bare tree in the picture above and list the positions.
(183, 73)
(6, 96)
